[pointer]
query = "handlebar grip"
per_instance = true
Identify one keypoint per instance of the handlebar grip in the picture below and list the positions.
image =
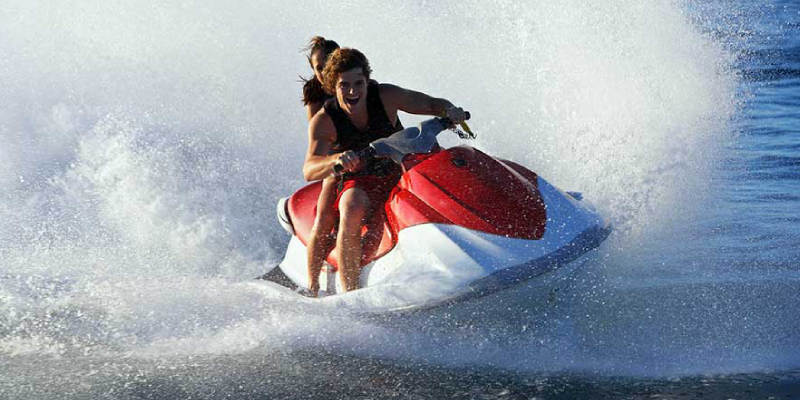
(366, 155)
(447, 122)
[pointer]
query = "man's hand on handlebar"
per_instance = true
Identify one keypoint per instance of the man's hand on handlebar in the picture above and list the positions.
(350, 161)
(456, 115)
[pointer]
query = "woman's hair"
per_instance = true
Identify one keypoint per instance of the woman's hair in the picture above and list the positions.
(312, 87)
(343, 60)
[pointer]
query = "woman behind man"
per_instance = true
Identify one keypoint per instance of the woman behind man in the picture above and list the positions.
(321, 240)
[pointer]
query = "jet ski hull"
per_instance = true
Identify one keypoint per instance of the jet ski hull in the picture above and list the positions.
(438, 264)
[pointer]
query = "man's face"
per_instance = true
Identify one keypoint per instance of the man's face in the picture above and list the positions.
(351, 91)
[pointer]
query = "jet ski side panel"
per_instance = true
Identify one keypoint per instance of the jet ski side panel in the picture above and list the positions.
(466, 187)
(302, 208)
(440, 263)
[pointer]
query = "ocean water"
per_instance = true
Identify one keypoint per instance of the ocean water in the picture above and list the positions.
(145, 145)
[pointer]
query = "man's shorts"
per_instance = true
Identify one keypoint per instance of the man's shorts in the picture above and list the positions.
(377, 188)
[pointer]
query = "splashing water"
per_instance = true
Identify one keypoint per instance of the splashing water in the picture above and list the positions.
(145, 146)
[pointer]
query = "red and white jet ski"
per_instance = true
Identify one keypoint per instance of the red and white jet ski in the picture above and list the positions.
(460, 224)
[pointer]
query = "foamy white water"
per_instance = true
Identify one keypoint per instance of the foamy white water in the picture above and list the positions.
(144, 146)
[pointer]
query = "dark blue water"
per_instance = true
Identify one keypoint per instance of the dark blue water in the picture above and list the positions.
(144, 146)
(762, 171)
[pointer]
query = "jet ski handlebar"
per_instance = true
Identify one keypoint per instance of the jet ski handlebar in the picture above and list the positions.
(446, 122)
(409, 135)
(366, 155)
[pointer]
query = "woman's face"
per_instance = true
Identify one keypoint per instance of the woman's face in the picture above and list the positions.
(318, 63)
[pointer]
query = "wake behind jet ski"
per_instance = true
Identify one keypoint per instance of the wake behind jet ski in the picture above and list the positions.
(459, 224)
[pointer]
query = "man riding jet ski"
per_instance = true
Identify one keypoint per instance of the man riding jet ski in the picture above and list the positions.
(459, 224)
(360, 112)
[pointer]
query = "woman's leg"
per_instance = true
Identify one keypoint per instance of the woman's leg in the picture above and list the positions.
(321, 242)
(353, 209)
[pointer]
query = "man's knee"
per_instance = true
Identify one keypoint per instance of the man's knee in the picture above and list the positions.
(354, 203)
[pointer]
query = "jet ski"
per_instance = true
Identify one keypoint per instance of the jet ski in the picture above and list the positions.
(459, 225)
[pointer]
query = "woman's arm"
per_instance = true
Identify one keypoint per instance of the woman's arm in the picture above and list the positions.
(312, 109)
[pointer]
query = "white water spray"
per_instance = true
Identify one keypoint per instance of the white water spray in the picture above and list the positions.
(146, 143)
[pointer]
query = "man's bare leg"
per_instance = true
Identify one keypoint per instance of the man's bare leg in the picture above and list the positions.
(353, 207)
(320, 242)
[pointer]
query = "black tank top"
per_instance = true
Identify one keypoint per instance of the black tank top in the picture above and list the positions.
(348, 137)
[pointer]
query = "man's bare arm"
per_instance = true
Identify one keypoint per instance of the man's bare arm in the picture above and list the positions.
(319, 160)
(413, 102)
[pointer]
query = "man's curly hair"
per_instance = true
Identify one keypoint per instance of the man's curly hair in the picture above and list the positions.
(340, 61)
